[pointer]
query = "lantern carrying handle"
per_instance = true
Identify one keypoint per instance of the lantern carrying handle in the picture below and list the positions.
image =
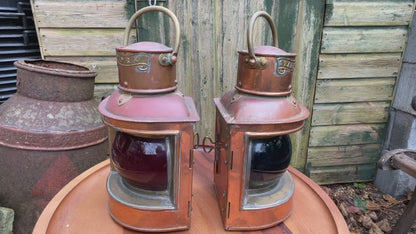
(250, 33)
(144, 10)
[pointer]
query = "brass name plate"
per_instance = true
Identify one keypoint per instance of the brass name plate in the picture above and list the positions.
(140, 60)
(283, 66)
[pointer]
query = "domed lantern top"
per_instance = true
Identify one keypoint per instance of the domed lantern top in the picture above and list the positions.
(147, 67)
(262, 94)
(265, 70)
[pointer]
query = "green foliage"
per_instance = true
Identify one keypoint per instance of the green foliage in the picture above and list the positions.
(360, 203)
(359, 185)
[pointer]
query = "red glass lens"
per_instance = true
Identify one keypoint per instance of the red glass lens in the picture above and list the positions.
(142, 162)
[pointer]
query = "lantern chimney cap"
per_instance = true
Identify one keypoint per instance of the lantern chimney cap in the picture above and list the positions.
(268, 51)
(145, 46)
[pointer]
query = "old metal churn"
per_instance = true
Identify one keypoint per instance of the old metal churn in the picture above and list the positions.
(50, 131)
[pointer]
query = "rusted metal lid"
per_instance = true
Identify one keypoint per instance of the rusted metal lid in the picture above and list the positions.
(241, 108)
(170, 107)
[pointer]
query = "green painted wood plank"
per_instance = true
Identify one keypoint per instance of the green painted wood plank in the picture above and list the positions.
(360, 1)
(284, 14)
(363, 39)
(350, 113)
(368, 13)
(354, 90)
(308, 39)
(342, 174)
(355, 134)
(333, 66)
(343, 155)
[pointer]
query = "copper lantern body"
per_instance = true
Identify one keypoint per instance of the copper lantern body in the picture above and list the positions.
(151, 134)
(253, 147)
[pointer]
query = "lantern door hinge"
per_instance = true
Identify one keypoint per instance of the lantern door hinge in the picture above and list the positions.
(191, 158)
(229, 161)
(227, 210)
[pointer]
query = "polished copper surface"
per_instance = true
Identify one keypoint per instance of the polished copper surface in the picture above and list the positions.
(82, 206)
(264, 70)
(140, 71)
(147, 106)
(260, 107)
(148, 67)
(169, 107)
(242, 108)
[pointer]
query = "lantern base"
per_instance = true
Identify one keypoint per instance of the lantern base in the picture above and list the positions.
(139, 210)
(257, 216)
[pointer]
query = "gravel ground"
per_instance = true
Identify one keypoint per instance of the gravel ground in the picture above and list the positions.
(366, 209)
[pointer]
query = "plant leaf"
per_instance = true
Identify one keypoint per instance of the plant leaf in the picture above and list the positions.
(360, 203)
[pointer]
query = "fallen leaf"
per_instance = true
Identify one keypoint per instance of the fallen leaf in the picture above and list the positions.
(353, 209)
(390, 200)
(375, 229)
(360, 203)
(373, 215)
(384, 225)
(343, 210)
(372, 205)
(366, 221)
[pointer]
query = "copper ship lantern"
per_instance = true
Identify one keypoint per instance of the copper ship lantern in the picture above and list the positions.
(253, 148)
(151, 136)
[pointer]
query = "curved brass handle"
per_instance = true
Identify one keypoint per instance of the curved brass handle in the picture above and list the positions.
(250, 33)
(161, 9)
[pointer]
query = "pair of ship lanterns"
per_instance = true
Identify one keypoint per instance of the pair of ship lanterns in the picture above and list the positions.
(152, 138)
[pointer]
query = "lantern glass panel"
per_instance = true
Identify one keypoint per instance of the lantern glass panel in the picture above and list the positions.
(266, 179)
(146, 164)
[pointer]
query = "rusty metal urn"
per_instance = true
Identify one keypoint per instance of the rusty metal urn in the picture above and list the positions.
(151, 137)
(252, 143)
(50, 132)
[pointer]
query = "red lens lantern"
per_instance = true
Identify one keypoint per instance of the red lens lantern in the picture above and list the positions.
(151, 134)
(253, 147)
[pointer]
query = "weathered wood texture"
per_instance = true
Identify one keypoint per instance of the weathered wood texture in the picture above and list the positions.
(360, 59)
(333, 66)
(364, 13)
(350, 113)
(363, 39)
(349, 55)
(87, 32)
(308, 38)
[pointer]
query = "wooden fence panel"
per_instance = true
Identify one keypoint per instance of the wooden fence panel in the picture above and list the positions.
(363, 39)
(350, 113)
(335, 66)
(368, 13)
(354, 90)
(76, 14)
(355, 134)
(343, 155)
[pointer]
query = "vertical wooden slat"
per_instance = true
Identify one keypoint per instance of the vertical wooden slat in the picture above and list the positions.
(308, 37)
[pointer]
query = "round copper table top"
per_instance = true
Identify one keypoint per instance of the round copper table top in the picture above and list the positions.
(82, 206)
